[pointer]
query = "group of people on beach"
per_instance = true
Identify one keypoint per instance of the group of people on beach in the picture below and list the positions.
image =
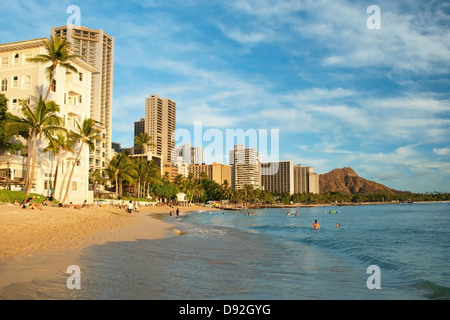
(28, 203)
(31, 203)
(132, 207)
(172, 212)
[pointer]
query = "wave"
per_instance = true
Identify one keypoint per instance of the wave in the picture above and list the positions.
(433, 290)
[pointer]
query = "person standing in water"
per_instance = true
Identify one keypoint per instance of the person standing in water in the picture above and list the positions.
(316, 225)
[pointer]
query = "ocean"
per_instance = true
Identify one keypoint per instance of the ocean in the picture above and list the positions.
(392, 251)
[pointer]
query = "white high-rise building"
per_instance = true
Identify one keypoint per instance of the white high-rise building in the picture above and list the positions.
(71, 91)
(97, 49)
(245, 167)
(196, 155)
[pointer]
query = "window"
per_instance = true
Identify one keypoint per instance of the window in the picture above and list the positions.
(15, 83)
(80, 77)
(16, 58)
(4, 85)
(4, 62)
(53, 86)
(74, 186)
(14, 104)
(26, 85)
(27, 56)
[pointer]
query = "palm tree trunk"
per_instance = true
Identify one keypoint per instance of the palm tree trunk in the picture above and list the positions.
(28, 169)
(33, 164)
(63, 182)
(71, 173)
(56, 178)
(117, 183)
(51, 81)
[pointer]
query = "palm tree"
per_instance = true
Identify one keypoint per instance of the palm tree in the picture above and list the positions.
(58, 53)
(96, 177)
(141, 171)
(143, 141)
(87, 133)
(56, 145)
(39, 121)
(121, 168)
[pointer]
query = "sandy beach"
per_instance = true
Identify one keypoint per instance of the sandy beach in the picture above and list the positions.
(35, 243)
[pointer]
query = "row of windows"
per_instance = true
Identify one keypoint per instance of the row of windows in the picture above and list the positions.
(15, 59)
(26, 83)
(15, 104)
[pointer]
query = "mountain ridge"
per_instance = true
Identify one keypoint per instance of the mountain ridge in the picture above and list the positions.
(346, 180)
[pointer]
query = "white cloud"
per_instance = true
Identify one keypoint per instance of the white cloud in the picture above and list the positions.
(442, 151)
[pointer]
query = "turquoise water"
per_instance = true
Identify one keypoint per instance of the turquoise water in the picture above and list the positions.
(272, 256)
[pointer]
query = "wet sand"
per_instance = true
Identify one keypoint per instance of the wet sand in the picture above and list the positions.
(36, 243)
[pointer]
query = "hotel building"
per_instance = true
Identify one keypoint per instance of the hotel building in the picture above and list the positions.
(278, 176)
(72, 92)
(97, 49)
(245, 167)
(160, 115)
(188, 154)
(305, 180)
(217, 172)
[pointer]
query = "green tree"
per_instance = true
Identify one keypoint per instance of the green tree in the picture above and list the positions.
(121, 169)
(6, 143)
(58, 53)
(86, 135)
(95, 176)
(43, 120)
(56, 145)
(143, 141)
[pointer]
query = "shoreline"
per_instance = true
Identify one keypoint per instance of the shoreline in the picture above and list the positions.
(300, 205)
(38, 243)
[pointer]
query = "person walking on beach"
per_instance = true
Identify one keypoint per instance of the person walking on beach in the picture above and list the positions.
(178, 212)
(316, 225)
(130, 208)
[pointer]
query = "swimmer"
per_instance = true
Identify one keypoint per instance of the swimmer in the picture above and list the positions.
(338, 225)
(316, 225)
(296, 213)
(287, 213)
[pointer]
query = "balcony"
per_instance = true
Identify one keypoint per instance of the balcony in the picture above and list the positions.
(73, 110)
(73, 88)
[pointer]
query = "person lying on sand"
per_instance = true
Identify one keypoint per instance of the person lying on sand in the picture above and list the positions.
(31, 203)
(71, 205)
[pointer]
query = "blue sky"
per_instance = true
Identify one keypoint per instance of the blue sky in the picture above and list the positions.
(340, 94)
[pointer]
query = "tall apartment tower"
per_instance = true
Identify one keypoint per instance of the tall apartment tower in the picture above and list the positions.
(97, 49)
(160, 115)
(139, 127)
(278, 176)
(305, 180)
(245, 167)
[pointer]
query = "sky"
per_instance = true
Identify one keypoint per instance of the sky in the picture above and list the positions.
(337, 92)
